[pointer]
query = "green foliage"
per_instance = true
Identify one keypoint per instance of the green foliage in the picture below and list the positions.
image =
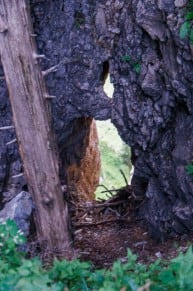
(108, 134)
(10, 239)
(137, 68)
(71, 275)
(112, 163)
(189, 15)
(77, 276)
(135, 65)
(115, 156)
(178, 275)
(126, 58)
(125, 155)
(189, 169)
(18, 273)
(186, 29)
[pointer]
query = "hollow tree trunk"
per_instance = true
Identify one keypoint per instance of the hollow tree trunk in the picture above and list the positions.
(152, 107)
(32, 120)
(151, 69)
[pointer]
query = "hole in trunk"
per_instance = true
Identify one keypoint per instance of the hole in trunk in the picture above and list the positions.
(92, 169)
(115, 154)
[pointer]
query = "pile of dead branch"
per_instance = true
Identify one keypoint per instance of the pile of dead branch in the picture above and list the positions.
(118, 207)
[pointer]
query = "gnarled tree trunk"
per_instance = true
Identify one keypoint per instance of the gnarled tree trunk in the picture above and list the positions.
(151, 69)
(32, 120)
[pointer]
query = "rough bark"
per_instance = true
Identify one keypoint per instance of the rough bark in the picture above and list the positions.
(151, 68)
(32, 120)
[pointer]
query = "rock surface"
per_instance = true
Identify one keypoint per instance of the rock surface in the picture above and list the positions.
(19, 209)
(152, 71)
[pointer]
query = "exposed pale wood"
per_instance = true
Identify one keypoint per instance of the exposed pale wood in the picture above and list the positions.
(18, 175)
(32, 120)
(50, 70)
(11, 141)
(6, 127)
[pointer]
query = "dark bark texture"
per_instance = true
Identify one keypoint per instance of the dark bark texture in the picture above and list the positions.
(152, 72)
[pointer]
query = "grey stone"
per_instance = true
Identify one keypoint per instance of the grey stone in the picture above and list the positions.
(19, 209)
(180, 3)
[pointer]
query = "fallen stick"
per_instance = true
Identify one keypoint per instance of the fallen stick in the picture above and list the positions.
(101, 205)
(101, 222)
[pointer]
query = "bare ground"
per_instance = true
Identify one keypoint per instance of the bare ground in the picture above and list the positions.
(103, 231)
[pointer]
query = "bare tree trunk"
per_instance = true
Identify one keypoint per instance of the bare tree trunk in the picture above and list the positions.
(32, 119)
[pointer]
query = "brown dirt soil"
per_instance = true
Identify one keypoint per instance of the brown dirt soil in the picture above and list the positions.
(103, 231)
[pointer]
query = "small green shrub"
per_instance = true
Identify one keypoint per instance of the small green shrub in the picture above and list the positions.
(72, 275)
(178, 275)
(10, 239)
(18, 273)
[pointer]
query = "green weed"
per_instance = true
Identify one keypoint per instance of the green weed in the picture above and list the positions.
(189, 169)
(186, 29)
(115, 156)
(19, 273)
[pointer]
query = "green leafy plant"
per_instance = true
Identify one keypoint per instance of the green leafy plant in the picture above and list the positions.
(19, 273)
(72, 275)
(189, 169)
(178, 275)
(186, 29)
(135, 65)
(10, 238)
(112, 162)
(126, 58)
(16, 272)
(137, 68)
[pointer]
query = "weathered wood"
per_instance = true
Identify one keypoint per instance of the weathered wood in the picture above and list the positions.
(32, 120)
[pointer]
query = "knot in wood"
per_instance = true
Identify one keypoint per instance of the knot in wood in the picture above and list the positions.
(48, 202)
(3, 26)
